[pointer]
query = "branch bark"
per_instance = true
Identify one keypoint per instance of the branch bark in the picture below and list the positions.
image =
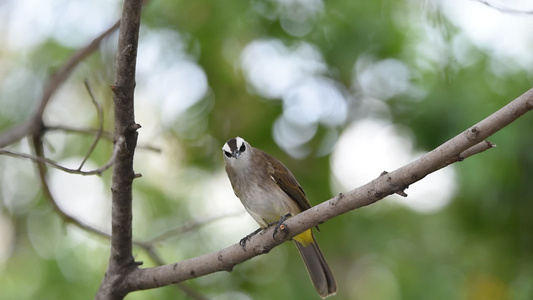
(463, 145)
(121, 261)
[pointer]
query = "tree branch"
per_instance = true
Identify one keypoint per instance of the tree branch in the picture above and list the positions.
(33, 125)
(504, 9)
(100, 116)
(188, 228)
(91, 131)
(467, 143)
(41, 166)
(40, 159)
(121, 261)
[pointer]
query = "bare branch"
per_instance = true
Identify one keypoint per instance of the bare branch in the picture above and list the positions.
(152, 253)
(121, 262)
(41, 166)
(149, 148)
(70, 129)
(100, 116)
(480, 147)
(149, 246)
(505, 9)
(189, 227)
(41, 159)
(389, 183)
(33, 125)
(105, 135)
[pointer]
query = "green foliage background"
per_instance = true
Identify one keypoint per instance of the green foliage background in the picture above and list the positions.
(478, 247)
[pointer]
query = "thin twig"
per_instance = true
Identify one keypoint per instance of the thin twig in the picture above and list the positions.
(189, 227)
(91, 131)
(149, 148)
(505, 9)
(38, 149)
(152, 243)
(100, 116)
(480, 147)
(71, 129)
(476, 149)
(149, 246)
(42, 159)
(33, 125)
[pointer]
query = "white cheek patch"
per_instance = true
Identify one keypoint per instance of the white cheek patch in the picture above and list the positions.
(226, 148)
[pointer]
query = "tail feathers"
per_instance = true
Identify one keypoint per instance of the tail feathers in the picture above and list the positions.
(318, 269)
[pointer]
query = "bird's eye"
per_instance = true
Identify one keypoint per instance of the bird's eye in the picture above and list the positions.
(228, 154)
(242, 148)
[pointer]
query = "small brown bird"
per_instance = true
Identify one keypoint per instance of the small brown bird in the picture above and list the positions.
(269, 191)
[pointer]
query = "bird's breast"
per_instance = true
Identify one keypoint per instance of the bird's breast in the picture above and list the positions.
(262, 197)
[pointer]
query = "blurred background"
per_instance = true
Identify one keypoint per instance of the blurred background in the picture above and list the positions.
(339, 91)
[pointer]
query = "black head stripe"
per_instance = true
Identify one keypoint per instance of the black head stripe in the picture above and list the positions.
(232, 143)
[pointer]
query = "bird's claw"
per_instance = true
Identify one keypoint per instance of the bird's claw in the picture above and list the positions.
(245, 239)
(279, 224)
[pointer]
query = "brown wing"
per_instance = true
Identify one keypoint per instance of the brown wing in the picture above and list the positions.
(286, 181)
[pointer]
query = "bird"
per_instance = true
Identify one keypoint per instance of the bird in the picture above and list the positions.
(269, 193)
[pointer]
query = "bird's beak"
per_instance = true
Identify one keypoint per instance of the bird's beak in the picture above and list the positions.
(236, 154)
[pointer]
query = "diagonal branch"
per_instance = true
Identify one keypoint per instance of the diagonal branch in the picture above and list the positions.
(453, 150)
(504, 9)
(34, 125)
(41, 166)
(189, 227)
(100, 116)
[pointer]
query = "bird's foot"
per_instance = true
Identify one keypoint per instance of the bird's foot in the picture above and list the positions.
(245, 239)
(279, 224)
